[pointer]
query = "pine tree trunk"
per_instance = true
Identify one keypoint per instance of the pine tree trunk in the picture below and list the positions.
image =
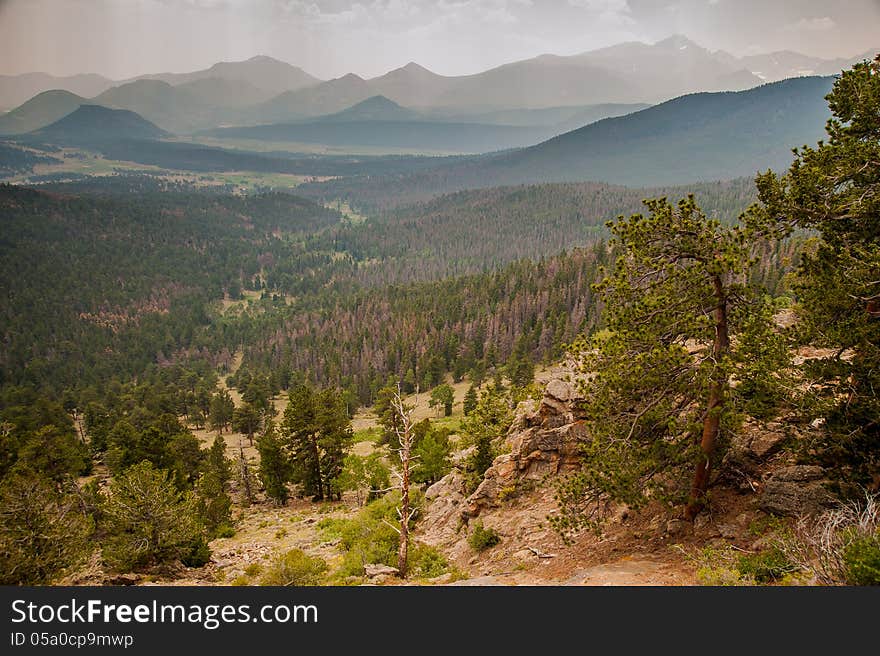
(245, 475)
(712, 422)
(316, 453)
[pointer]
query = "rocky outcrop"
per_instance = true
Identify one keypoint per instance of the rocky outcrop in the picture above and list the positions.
(541, 442)
(442, 520)
(795, 491)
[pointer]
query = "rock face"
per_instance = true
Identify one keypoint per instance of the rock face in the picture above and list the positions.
(542, 442)
(794, 491)
(442, 520)
(375, 570)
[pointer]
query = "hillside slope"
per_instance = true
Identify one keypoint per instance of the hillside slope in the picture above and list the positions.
(93, 124)
(40, 111)
(699, 137)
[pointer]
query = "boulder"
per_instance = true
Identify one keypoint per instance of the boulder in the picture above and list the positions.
(767, 443)
(541, 442)
(375, 570)
(124, 579)
(442, 519)
(795, 491)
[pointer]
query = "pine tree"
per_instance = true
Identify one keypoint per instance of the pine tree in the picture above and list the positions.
(316, 433)
(484, 426)
(470, 400)
(222, 407)
(442, 397)
(247, 419)
(43, 530)
(274, 466)
(658, 398)
(148, 520)
(431, 456)
(833, 190)
(214, 501)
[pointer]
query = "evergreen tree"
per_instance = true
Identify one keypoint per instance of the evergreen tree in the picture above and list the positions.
(147, 520)
(657, 390)
(486, 424)
(275, 468)
(222, 407)
(215, 503)
(247, 419)
(470, 400)
(43, 531)
(833, 190)
(316, 433)
(442, 397)
(431, 457)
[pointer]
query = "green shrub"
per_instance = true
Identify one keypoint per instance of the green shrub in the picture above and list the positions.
(224, 531)
(149, 521)
(253, 569)
(295, 568)
(368, 537)
(199, 553)
(43, 531)
(770, 566)
(483, 538)
(426, 562)
(861, 560)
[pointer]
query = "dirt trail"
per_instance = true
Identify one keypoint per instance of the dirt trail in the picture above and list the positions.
(634, 570)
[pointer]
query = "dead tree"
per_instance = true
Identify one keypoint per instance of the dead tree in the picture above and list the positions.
(245, 478)
(403, 431)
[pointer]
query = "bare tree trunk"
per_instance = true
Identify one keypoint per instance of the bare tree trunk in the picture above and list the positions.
(405, 439)
(403, 543)
(712, 422)
(245, 475)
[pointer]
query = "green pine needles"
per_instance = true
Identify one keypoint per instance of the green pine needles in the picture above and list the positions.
(663, 379)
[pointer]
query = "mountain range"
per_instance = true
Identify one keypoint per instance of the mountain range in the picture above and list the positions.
(379, 122)
(696, 137)
(262, 90)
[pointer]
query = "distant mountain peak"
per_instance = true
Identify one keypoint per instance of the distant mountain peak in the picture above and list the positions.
(374, 108)
(376, 101)
(678, 41)
(413, 67)
(350, 77)
(95, 123)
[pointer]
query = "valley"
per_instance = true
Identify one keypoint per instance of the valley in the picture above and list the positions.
(592, 319)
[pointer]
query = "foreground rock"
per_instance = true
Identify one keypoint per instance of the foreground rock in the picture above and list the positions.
(795, 491)
(373, 571)
(542, 442)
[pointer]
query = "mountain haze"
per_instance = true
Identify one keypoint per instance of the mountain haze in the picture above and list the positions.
(178, 109)
(40, 111)
(262, 90)
(704, 136)
(92, 124)
(268, 75)
(377, 108)
(17, 89)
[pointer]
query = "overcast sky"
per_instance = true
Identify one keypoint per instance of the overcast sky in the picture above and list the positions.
(328, 38)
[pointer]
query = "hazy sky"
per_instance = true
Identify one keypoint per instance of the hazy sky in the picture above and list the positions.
(123, 38)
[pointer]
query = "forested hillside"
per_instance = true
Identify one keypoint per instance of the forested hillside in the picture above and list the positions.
(705, 352)
(114, 286)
